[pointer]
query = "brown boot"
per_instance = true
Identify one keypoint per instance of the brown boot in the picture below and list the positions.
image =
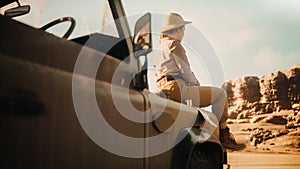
(228, 141)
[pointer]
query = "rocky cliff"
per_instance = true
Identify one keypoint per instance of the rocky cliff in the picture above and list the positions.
(259, 102)
(249, 96)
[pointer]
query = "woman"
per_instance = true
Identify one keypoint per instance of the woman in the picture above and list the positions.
(175, 78)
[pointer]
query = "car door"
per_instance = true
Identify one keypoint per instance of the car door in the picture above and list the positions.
(39, 124)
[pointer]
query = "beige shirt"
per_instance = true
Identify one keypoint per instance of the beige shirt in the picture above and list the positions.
(171, 59)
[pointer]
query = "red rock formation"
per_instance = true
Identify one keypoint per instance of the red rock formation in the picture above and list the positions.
(251, 95)
(293, 76)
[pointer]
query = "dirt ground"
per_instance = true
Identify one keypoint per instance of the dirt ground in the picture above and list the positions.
(244, 160)
(288, 142)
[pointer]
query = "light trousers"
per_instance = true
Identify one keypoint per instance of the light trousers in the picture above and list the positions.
(200, 96)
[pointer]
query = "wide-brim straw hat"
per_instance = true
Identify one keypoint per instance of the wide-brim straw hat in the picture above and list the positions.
(172, 21)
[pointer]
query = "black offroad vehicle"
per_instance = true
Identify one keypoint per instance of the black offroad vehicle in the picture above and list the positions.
(64, 102)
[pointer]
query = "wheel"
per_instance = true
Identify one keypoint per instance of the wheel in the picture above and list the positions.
(199, 161)
(60, 20)
(204, 160)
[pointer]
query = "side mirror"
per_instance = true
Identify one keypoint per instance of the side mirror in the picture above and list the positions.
(142, 46)
(142, 36)
(17, 11)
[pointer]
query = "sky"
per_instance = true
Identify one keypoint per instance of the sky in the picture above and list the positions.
(252, 38)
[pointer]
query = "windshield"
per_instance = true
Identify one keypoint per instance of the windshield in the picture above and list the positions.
(90, 16)
(107, 24)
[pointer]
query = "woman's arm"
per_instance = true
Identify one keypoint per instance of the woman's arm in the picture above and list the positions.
(181, 60)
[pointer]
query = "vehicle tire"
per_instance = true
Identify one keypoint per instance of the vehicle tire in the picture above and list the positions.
(203, 160)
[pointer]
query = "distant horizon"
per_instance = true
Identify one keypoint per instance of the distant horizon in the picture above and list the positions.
(281, 70)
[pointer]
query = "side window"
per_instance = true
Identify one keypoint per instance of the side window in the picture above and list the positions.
(108, 27)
